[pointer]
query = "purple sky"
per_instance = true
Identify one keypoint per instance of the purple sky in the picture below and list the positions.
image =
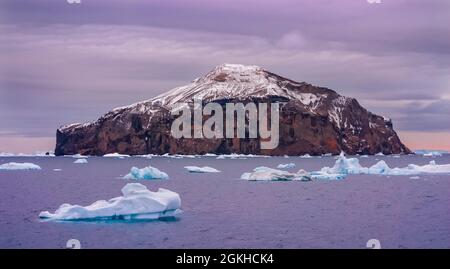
(62, 63)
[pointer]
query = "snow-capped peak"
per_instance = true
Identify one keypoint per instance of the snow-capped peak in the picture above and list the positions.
(236, 81)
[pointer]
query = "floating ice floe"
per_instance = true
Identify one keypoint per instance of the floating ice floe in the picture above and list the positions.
(57, 169)
(148, 172)
(137, 203)
(326, 176)
(345, 166)
(240, 156)
(167, 155)
(263, 173)
(431, 153)
(19, 166)
(204, 169)
(286, 166)
(36, 154)
(80, 161)
(178, 156)
(116, 155)
(306, 156)
(79, 156)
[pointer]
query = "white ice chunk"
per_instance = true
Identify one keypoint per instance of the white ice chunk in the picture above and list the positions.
(263, 173)
(81, 161)
(431, 153)
(79, 156)
(286, 166)
(137, 202)
(326, 176)
(116, 155)
(148, 172)
(204, 169)
(345, 166)
(19, 166)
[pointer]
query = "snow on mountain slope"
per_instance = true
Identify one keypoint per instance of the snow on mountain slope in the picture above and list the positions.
(234, 81)
(231, 81)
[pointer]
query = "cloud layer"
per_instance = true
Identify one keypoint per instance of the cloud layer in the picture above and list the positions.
(61, 64)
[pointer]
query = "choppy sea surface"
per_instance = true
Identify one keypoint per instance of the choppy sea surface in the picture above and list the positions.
(222, 211)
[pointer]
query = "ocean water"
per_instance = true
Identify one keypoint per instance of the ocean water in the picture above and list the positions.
(222, 211)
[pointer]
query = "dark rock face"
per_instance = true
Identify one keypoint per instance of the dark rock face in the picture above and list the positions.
(313, 120)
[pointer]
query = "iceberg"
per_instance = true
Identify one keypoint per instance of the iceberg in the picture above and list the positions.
(306, 156)
(19, 166)
(81, 161)
(241, 156)
(137, 203)
(148, 172)
(204, 169)
(286, 166)
(79, 156)
(326, 176)
(431, 153)
(263, 173)
(116, 155)
(345, 166)
(36, 154)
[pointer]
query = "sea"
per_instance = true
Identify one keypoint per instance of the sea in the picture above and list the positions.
(220, 210)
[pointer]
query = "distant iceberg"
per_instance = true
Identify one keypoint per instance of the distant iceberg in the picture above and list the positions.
(431, 153)
(241, 156)
(286, 166)
(36, 154)
(204, 169)
(81, 161)
(137, 203)
(345, 166)
(148, 172)
(116, 155)
(79, 156)
(19, 166)
(263, 173)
